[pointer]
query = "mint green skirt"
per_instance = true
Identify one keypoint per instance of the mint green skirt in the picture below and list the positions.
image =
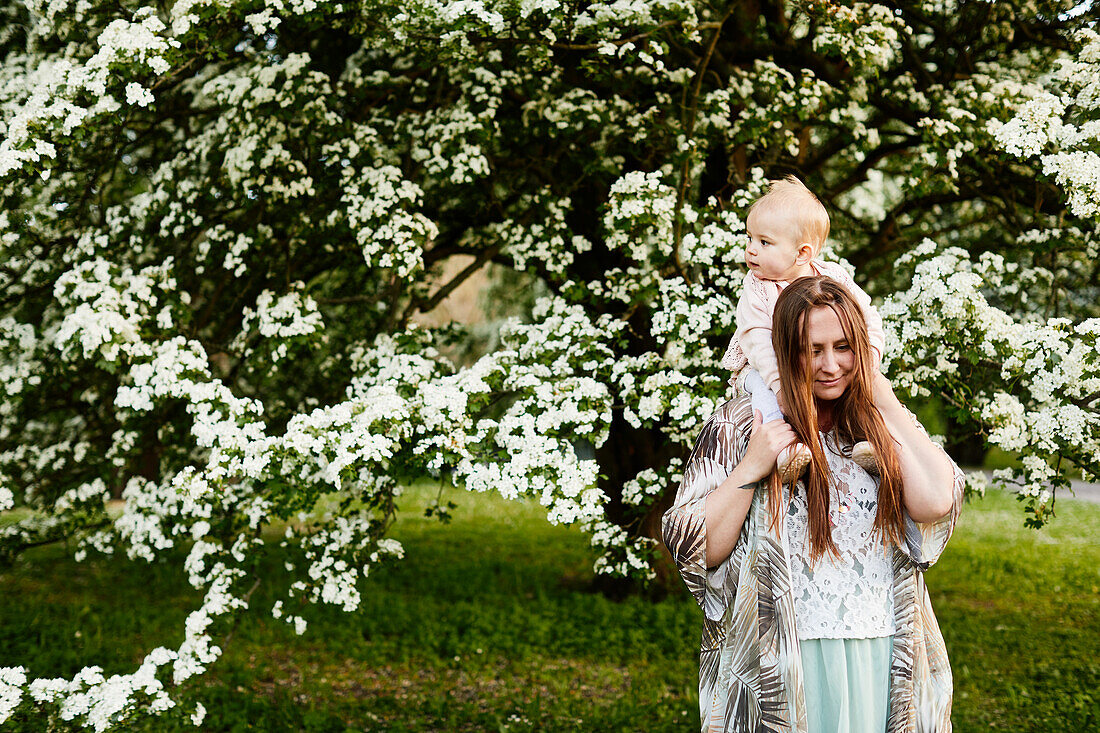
(847, 684)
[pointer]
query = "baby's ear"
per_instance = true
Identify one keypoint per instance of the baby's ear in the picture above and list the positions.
(806, 252)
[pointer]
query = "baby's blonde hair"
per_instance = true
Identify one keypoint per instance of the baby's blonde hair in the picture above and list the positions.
(790, 198)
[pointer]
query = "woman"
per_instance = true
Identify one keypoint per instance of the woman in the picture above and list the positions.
(816, 617)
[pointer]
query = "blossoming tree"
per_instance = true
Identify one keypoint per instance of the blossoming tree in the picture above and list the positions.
(221, 219)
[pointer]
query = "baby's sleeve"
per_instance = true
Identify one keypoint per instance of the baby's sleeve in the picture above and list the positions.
(754, 331)
(875, 334)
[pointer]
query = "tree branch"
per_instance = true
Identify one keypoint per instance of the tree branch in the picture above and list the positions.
(424, 307)
(689, 128)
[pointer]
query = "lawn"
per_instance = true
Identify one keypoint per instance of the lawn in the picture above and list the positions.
(488, 624)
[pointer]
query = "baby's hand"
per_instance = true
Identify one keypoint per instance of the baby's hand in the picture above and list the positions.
(782, 402)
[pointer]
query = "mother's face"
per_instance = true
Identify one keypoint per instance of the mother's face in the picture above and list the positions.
(833, 360)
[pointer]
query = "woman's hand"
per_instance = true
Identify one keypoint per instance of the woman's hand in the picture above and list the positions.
(882, 392)
(768, 439)
(927, 474)
(727, 506)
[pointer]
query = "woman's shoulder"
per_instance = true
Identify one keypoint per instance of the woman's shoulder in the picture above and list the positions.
(725, 432)
(734, 412)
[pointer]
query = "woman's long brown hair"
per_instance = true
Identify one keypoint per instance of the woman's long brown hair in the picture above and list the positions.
(855, 416)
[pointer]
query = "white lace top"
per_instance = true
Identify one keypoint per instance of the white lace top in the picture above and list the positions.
(851, 598)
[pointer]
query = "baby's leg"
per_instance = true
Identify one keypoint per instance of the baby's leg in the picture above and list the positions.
(793, 459)
(763, 398)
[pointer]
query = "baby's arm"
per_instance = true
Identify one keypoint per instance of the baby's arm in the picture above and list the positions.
(754, 331)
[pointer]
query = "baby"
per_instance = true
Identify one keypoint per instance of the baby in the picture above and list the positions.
(787, 228)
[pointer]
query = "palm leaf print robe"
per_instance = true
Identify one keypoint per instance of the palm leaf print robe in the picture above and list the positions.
(750, 666)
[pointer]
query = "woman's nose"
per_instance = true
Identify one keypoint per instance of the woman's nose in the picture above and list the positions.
(828, 362)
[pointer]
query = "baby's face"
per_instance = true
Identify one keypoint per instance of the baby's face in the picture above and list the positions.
(772, 253)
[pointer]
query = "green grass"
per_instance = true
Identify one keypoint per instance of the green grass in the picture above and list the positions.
(488, 624)
(1020, 611)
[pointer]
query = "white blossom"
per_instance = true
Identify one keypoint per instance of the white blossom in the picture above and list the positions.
(228, 258)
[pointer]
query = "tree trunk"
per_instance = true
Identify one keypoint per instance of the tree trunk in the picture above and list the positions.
(627, 451)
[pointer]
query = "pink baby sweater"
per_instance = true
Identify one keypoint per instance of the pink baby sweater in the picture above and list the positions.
(753, 341)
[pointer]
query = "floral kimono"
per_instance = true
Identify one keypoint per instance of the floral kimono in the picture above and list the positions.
(750, 665)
